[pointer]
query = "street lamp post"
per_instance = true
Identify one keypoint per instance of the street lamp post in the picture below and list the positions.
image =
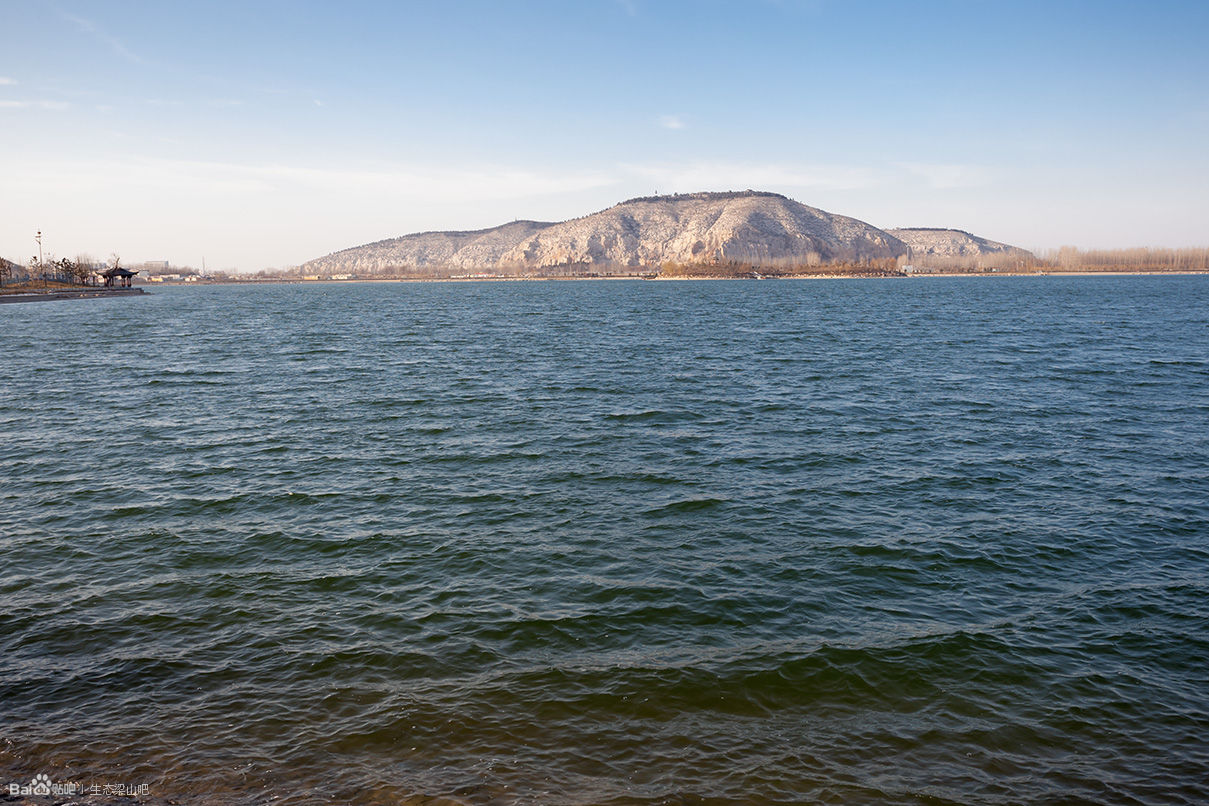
(41, 268)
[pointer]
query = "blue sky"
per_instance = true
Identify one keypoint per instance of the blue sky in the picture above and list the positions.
(261, 134)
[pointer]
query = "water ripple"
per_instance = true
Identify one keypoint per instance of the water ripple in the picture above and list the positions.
(611, 543)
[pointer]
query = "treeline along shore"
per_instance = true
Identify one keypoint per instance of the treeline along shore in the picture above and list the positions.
(1060, 261)
(1066, 260)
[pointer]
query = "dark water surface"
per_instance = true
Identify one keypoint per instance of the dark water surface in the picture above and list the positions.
(922, 541)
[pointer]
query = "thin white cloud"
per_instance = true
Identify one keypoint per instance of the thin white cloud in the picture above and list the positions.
(442, 184)
(810, 6)
(317, 102)
(947, 176)
(5, 81)
(52, 105)
(399, 182)
(90, 27)
(630, 7)
(671, 122)
(694, 176)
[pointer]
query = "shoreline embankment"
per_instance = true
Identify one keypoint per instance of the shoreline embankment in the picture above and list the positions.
(90, 293)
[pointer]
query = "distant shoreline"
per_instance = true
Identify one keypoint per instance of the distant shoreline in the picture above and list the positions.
(285, 280)
(919, 274)
(693, 277)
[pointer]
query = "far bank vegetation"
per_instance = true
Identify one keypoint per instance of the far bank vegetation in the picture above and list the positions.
(883, 267)
(1142, 259)
(1065, 259)
(1013, 262)
(84, 269)
(1070, 259)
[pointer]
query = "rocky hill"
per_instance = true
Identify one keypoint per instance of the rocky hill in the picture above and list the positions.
(926, 242)
(640, 233)
(477, 249)
(643, 234)
(764, 228)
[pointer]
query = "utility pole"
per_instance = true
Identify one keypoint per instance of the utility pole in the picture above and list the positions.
(41, 268)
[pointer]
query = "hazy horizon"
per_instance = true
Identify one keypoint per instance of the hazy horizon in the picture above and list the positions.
(267, 135)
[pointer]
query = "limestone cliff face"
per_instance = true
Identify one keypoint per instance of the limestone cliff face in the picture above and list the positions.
(953, 243)
(695, 228)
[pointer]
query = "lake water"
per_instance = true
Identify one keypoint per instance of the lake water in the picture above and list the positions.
(919, 541)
